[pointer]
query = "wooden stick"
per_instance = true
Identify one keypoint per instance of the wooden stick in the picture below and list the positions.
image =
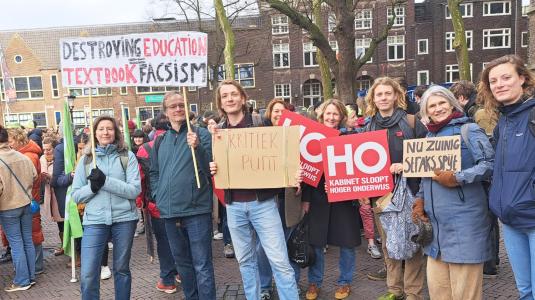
(91, 129)
(73, 261)
(186, 107)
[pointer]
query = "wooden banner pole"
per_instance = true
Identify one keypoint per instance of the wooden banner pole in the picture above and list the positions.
(186, 107)
(91, 128)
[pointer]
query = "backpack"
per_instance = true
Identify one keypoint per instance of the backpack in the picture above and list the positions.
(123, 155)
(144, 163)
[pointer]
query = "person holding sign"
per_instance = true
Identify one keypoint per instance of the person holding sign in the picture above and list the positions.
(253, 210)
(455, 203)
(185, 208)
(108, 191)
(331, 223)
(507, 85)
(386, 106)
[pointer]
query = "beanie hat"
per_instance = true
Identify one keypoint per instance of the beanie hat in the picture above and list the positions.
(131, 124)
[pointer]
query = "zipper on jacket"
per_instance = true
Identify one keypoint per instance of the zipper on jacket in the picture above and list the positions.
(460, 193)
(434, 215)
(504, 142)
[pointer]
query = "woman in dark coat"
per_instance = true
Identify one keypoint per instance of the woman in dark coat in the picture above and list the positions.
(336, 224)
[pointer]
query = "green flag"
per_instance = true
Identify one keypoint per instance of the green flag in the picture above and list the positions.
(72, 225)
(126, 130)
(138, 122)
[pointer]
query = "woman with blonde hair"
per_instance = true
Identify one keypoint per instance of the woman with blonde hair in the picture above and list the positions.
(335, 224)
(386, 105)
(508, 86)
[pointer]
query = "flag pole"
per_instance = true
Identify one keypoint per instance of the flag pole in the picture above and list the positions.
(186, 107)
(73, 261)
(91, 128)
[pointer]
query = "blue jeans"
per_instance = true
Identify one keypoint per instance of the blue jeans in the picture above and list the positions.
(93, 246)
(17, 225)
(520, 246)
(167, 262)
(244, 218)
(264, 269)
(39, 266)
(346, 266)
(190, 239)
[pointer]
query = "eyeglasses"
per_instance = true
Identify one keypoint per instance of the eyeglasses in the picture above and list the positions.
(174, 106)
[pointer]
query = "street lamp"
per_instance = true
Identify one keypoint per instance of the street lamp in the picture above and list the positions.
(70, 102)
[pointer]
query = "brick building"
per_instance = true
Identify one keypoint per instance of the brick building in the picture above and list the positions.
(274, 58)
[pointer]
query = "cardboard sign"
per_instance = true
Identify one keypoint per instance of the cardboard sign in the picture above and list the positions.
(357, 166)
(146, 59)
(422, 156)
(311, 132)
(260, 157)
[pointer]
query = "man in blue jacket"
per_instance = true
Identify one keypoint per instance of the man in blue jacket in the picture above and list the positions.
(185, 208)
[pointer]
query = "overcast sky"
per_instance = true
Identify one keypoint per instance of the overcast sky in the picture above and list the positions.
(25, 14)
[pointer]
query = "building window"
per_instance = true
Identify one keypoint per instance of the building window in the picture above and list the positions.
(155, 89)
(524, 41)
(309, 55)
(396, 47)
(497, 8)
(95, 92)
(279, 24)
(54, 85)
(103, 112)
(283, 91)
(361, 46)
(331, 23)
(334, 45)
(18, 59)
(123, 90)
(192, 88)
(422, 77)
(452, 73)
(193, 107)
(243, 73)
(400, 15)
(19, 118)
(423, 46)
(363, 19)
(467, 10)
(496, 38)
(281, 55)
(450, 37)
(147, 112)
(29, 87)
(311, 92)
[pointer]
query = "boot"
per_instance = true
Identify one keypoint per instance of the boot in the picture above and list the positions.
(59, 251)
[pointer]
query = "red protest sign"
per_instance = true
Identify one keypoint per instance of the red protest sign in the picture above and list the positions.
(356, 166)
(310, 132)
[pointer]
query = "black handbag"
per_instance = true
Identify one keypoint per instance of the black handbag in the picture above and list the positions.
(299, 250)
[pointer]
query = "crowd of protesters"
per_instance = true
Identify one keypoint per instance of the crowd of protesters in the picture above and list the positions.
(457, 212)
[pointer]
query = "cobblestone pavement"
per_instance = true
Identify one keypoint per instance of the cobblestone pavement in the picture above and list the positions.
(54, 283)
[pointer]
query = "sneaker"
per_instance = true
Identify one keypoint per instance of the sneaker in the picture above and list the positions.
(390, 296)
(39, 272)
(490, 275)
(168, 289)
(110, 246)
(218, 236)
(312, 292)
(5, 257)
(32, 282)
(342, 292)
(13, 288)
(378, 276)
(374, 252)
(105, 273)
(265, 295)
(228, 251)
(140, 230)
(177, 279)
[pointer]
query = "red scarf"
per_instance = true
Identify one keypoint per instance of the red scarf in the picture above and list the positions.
(435, 127)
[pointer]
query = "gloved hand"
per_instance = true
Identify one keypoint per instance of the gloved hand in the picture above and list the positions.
(97, 179)
(153, 210)
(446, 178)
(418, 212)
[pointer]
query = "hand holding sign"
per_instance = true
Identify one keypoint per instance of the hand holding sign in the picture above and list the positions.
(422, 156)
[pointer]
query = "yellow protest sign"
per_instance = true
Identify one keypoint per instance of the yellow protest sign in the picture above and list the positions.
(260, 157)
(422, 156)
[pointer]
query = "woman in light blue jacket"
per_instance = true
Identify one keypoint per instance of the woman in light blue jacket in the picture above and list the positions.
(455, 203)
(108, 191)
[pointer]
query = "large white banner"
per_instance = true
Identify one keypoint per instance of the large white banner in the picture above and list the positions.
(146, 59)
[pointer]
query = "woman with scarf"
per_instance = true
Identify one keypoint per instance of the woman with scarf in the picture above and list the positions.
(335, 224)
(455, 203)
(386, 106)
(51, 206)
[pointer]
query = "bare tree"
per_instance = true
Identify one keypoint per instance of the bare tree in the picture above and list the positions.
(344, 65)
(459, 43)
(322, 62)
